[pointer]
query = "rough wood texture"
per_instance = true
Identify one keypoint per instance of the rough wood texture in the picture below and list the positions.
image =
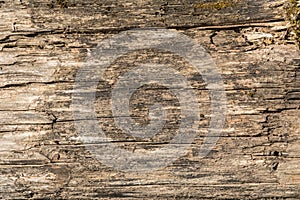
(257, 155)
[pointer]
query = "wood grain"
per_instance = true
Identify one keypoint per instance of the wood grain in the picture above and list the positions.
(257, 155)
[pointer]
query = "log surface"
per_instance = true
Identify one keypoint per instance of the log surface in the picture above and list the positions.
(44, 43)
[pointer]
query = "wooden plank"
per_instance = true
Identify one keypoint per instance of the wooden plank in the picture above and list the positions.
(41, 156)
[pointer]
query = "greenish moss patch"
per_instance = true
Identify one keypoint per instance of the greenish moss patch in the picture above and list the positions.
(293, 14)
(60, 3)
(218, 5)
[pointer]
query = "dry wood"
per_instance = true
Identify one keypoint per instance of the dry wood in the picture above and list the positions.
(44, 43)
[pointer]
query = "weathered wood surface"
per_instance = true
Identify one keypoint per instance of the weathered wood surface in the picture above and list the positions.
(257, 155)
